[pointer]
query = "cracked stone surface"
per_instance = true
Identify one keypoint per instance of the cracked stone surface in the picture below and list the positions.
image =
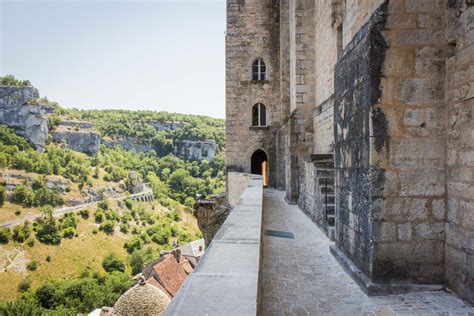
(301, 277)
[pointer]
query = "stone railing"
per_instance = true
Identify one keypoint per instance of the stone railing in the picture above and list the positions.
(226, 280)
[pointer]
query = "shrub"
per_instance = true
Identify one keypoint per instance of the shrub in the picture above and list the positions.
(108, 227)
(111, 215)
(129, 204)
(10, 80)
(124, 228)
(137, 262)
(133, 244)
(48, 258)
(99, 216)
(17, 212)
(47, 230)
(21, 232)
(32, 265)
(30, 242)
(4, 235)
(68, 220)
(112, 263)
(95, 231)
(69, 232)
(2, 194)
(24, 285)
(103, 204)
(84, 213)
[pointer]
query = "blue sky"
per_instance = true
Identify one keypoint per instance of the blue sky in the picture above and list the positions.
(154, 55)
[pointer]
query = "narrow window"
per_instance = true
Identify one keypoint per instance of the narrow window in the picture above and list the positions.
(259, 70)
(259, 115)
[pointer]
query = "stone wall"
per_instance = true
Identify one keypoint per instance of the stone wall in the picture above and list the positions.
(236, 183)
(408, 142)
(354, 95)
(459, 247)
(28, 120)
(252, 32)
(323, 122)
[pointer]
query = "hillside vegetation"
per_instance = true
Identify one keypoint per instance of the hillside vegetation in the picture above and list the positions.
(75, 261)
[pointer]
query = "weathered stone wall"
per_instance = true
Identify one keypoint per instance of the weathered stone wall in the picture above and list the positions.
(236, 183)
(409, 141)
(354, 97)
(459, 247)
(252, 32)
(323, 122)
(28, 120)
(325, 44)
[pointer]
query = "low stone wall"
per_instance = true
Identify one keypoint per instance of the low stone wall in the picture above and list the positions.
(236, 184)
(225, 282)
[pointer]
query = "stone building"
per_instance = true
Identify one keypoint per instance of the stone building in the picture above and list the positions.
(362, 112)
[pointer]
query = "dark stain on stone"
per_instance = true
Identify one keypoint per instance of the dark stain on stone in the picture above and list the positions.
(380, 129)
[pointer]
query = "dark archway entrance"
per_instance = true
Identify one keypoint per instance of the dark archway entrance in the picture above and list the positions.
(259, 165)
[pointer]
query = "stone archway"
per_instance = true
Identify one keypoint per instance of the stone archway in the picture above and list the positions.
(259, 165)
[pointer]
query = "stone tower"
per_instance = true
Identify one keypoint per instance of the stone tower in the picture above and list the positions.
(252, 86)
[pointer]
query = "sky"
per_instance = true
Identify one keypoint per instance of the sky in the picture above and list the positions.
(162, 55)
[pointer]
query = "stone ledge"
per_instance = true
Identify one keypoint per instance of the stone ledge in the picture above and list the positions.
(226, 280)
(373, 289)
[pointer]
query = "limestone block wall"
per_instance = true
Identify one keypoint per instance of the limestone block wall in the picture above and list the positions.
(459, 247)
(323, 122)
(325, 45)
(409, 139)
(236, 184)
(252, 32)
(356, 91)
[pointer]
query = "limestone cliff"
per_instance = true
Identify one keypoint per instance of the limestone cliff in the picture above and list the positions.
(78, 136)
(129, 143)
(28, 120)
(196, 150)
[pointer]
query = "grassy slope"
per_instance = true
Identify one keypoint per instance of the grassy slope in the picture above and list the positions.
(75, 255)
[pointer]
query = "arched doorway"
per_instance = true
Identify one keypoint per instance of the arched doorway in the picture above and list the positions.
(259, 165)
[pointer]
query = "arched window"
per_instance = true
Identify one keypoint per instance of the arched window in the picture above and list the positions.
(259, 70)
(259, 115)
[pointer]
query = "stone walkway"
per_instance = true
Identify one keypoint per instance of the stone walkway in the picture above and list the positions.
(301, 277)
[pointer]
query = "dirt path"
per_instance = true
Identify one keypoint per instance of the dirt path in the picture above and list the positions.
(64, 210)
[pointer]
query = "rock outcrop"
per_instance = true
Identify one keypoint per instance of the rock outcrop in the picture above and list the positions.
(28, 120)
(196, 149)
(211, 214)
(78, 136)
(167, 126)
(130, 143)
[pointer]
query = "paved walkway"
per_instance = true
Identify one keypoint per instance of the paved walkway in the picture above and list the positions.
(301, 277)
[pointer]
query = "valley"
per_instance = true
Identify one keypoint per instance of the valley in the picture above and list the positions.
(82, 188)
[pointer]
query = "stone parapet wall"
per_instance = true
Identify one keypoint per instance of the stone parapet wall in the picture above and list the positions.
(236, 184)
(230, 268)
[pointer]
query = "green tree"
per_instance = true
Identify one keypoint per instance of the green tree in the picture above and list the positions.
(112, 263)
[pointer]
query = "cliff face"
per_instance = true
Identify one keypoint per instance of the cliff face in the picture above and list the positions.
(130, 143)
(78, 136)
(28, 120)
(198, 150)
